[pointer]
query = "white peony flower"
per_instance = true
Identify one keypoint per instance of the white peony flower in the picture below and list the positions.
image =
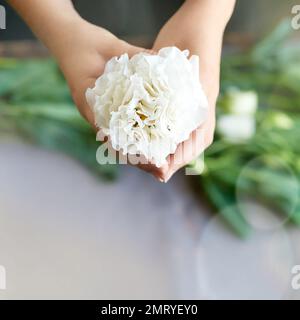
(150, 103)
(236, 128)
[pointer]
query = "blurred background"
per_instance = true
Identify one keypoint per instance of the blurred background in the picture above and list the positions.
(70, 228)
(255, 18)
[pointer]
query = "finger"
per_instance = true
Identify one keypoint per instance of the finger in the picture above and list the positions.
(187, 151)
(132, 50)
(158, 173)
(85, 108)
(89, 116)
(161, 173)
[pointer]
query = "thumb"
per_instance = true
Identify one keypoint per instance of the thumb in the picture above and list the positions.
(132, 50)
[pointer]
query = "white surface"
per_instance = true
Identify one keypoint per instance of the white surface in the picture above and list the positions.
(258, 268)
(65, 234)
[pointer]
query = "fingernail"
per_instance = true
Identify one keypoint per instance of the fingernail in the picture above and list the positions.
(168, 178)
(159, 178)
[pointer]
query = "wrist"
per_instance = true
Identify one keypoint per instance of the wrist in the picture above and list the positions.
(60, 34)
(52, 21)
(212, 14)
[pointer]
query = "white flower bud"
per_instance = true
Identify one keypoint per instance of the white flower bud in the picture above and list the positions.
(242, 102)
(236, 128)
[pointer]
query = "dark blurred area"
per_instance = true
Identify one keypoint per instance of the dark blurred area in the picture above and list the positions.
(142, 19)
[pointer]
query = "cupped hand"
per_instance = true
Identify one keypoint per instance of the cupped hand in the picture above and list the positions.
(83, 60)
(182, 32)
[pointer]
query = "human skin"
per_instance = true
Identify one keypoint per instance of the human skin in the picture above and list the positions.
(82, 50)
(199, 27)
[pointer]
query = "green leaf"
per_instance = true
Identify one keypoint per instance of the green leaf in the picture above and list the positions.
(224, 201)
(268, 46)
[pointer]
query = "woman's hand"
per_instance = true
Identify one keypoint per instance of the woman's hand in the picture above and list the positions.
(198, 26)
(82, 62)
(82, 50)
(84, 58)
